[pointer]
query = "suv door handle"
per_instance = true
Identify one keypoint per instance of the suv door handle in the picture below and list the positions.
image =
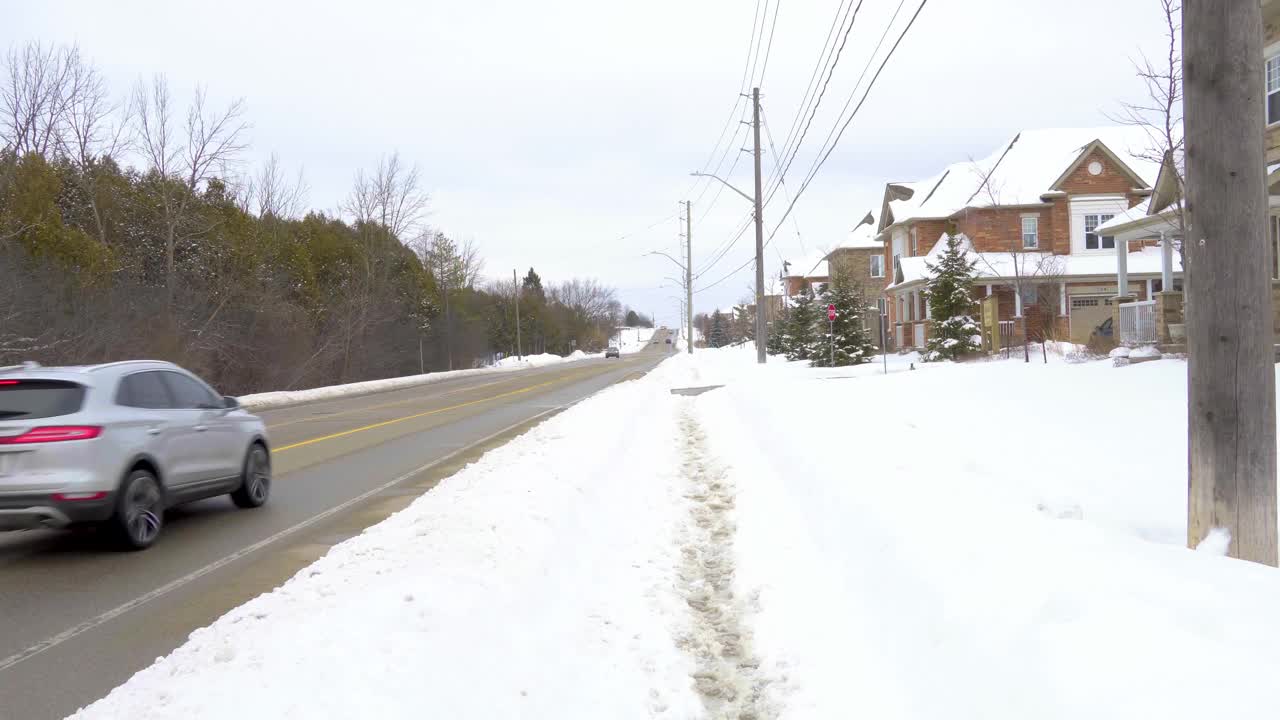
(201, 428)
(153, 431)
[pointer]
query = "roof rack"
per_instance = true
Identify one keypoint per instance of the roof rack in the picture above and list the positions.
(118, 363)
(28, 365)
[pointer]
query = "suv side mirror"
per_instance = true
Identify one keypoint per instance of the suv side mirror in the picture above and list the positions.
(230, 403)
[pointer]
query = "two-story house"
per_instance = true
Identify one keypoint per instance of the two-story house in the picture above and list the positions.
(1028, 215)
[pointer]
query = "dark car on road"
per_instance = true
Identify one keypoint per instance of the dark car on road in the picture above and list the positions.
(612, 353)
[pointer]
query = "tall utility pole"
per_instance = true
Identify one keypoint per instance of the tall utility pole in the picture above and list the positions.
(760, 326)
(515, 286)
(1231, 405)
(688, 271)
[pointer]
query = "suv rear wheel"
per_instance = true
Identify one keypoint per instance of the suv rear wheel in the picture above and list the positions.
(139, 511)
(255, 483)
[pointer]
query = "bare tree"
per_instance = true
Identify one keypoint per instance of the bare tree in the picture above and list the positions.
(95, 128)
(1160, 114)
(34, 96)
(391, 197)
(273, 193)
(183, 159)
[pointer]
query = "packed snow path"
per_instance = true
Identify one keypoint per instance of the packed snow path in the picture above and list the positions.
(728, 673)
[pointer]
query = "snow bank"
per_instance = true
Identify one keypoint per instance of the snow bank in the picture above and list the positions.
(979, 541)
(534, 583)
(283, 398)
(633, 340)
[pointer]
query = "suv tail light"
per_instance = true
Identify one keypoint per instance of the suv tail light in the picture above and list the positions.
(55, 433)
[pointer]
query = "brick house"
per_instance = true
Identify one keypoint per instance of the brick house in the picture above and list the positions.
(1028, 215)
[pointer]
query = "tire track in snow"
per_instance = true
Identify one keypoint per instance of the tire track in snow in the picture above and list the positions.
(727, 675)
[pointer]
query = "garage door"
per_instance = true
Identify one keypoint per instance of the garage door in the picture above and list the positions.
(1087, 313)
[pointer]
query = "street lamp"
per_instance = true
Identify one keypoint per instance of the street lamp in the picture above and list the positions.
(758, 214)
(726, 183)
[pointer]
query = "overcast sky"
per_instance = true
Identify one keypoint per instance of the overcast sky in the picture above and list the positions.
(547, 131)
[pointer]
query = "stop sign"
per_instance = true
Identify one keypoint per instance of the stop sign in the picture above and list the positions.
(831, 312)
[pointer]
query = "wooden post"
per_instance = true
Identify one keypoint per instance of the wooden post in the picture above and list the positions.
(1230, 339)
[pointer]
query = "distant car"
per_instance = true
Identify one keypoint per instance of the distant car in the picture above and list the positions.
(612, 353)
(117, 444)
(668, 341)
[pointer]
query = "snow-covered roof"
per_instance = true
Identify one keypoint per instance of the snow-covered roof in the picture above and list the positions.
(861, 237)
(812, 264)
(1019, 172)
(1004, 265)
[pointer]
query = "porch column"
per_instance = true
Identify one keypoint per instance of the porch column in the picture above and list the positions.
(1166, 262)
(989, 290)
(928, 313)
(1062, 299)
(1017, 301)
(1122, 267)
(1150, 290)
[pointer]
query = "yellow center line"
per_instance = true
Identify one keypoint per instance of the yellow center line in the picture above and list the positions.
(340, 413)
(415, 416)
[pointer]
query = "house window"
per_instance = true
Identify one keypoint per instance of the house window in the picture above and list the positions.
(1030, 233)
(915, 243)
(877, 266)
(1030, 295)
(1275, 245)
(1093, 241)
(882, 305)
(1273, 90)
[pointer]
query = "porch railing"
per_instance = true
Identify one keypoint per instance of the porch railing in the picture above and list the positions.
(1008, 331)
(1138, 323)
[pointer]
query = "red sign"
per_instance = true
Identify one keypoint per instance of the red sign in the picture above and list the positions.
(831, 312)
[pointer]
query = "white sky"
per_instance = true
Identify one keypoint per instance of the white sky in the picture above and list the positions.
(547, 130)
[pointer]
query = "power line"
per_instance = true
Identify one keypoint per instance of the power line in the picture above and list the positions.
(831, 148)
(768, 50)
(785, 194)
(824, 60)
(795, 150)
(748, 68)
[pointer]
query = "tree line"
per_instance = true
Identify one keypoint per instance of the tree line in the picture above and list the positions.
(129, 228)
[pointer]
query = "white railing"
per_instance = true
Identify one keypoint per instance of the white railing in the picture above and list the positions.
(1138, 323)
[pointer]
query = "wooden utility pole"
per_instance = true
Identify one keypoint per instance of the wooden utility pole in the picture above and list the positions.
(1230, 340)
(760, 327)
(515, 286)
(688, 270)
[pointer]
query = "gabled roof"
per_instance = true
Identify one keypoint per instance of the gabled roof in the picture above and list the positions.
(1020, 172)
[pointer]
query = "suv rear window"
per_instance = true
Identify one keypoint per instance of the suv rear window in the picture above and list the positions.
(35, 399)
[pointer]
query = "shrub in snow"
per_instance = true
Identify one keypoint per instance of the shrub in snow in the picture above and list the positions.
(801, 336)
(776, 344)
(953, 331)
(1145, 351)
(852, 344)
(1120, 352)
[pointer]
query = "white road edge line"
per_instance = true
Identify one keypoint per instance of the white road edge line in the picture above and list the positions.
(72, 632)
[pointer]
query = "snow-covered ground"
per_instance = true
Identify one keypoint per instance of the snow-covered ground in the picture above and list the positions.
(950, 541)
(634, 340)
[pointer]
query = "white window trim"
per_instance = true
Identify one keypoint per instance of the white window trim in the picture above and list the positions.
(1091, 205)
(1271, 53)
(1035, 245)
(872, 266)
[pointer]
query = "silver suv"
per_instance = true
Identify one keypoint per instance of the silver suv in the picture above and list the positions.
(116, 444)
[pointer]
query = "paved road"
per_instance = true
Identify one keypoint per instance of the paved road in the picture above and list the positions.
(76, 620)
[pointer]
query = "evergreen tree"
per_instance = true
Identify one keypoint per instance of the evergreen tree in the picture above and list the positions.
(853, 345)
(719, 330)
(776, 342)
(801, 332)
(953, 331)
